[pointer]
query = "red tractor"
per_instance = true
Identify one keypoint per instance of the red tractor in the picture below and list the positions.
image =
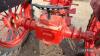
(51, 27)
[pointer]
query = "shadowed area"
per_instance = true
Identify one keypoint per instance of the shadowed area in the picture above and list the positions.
(5, 4)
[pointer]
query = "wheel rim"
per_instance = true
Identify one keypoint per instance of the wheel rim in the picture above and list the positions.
(10, 34)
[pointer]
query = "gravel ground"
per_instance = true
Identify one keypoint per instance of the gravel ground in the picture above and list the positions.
(33, 47)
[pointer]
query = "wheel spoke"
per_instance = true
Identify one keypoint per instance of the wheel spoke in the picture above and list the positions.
(16, 9)
(5, 12)
(8, 31)
(11, 34)
(19, 31)
(10, 10)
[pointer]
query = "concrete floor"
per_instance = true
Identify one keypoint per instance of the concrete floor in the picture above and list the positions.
(83, 14)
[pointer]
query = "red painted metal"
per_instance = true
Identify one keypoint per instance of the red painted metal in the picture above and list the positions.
(63, 3)
(60, 2)
(15, 41)
(50, 31)
(55, 25)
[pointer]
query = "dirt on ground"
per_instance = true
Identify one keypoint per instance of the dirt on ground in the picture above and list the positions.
(33, 47)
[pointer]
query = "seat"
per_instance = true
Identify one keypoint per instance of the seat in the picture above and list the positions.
(50, 7)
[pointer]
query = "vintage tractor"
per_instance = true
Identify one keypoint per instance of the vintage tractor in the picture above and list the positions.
(51, 27)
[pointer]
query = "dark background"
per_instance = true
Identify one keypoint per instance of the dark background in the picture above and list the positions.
(11, 3)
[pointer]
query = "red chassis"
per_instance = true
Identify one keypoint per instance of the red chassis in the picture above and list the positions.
(53, 29)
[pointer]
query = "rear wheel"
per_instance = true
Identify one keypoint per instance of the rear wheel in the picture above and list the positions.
(11, 36)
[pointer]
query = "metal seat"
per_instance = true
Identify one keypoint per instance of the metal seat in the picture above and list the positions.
(50, 7)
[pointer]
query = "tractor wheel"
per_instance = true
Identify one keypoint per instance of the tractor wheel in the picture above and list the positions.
(11, 36)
